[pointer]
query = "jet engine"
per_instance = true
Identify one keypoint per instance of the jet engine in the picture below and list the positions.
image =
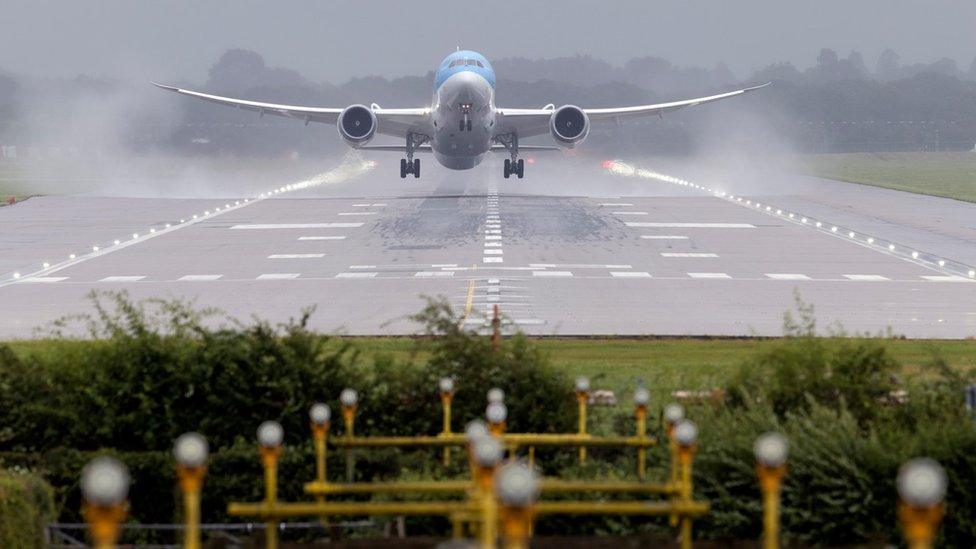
(356, 125)
(569, 125)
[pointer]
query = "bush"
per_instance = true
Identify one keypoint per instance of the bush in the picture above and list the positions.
(26, 505)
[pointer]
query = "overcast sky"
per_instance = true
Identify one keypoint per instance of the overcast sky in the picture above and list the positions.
(333, 40)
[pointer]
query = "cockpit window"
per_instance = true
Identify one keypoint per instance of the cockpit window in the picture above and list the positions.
(465, 62)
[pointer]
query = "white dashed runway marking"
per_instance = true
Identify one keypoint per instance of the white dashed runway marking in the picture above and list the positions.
(618, 204)
(492, 260)
(199, 278)
(356, 275)
(691, 225)
(432, 274)
(295, 256)
(45, 279)
(687, 254)
(629, 274)
(278, 276)
(493, 252)
(552, 274)
(629, 213)
(946, 278)
(708, 275)
(122, 279)
(787, 276)
(663, 237)
(321, 238)
(267, 226)
(357, 213)
(866, 277)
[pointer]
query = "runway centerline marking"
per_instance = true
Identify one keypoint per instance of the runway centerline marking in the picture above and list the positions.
(866, 277)
(321, 238)
(433, 274)
(630, 274)
(358, 213)
(278, 276)
(356, 275)
(493, 252)
(492, 260)
(122, 278)
(44, 279)
(552, 274)
(618, 204)
(663, 237)
(946, 278)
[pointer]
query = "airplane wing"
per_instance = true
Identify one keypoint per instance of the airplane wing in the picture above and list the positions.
(529, 122)
(394, 122)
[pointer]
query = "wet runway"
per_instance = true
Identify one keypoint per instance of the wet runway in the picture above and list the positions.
(571, 249)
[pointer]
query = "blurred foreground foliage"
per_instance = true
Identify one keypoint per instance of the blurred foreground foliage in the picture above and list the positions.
(155, 369)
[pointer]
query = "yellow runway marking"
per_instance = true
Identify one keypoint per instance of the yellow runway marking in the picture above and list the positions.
(469, 301)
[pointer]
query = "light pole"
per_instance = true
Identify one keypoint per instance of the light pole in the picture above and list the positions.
(642, 397)
(446, 388)
(496, 413)
(922, 486)
(517, 489)
(487, 453)
(673, 413)
(104, 487)
(771, 450)
(191, 452)
(320, 419)
(349, 400)
(582, 398)
(686, 437)
(270, 437)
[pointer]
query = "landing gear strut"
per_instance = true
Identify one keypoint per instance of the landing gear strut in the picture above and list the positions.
(514, 165)
(410, 164)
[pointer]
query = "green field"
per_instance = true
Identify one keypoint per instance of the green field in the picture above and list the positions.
(947, 174)
(663, 364)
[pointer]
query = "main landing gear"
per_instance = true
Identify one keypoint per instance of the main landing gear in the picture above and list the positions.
(410, 164)
(515, 165)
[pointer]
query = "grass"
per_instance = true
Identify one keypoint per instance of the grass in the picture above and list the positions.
(946, 174)
(664, 364)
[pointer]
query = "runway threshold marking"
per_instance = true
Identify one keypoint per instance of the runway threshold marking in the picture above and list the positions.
(199, 278)
(866, 277)
(45, 279)
(787, 276)
(709, 275)
(278, 276)
(122, 278)
(630, 274)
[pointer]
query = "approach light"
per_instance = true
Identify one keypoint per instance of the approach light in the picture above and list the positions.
(270, 434)
(320, 413)
(972, 274)
(642, 397)
(582, 384)
(105, 481)
(496, 412)
(446, 385)
(95, 248)
(673, 413)
(72, 256)
(771, 449)
(16, 275)
(922, 483)
(152, 230)
(495, 395)
(116, 242)
(135, 235)
(475, 429)
(191, 450)
(516, 485)
(914, 255)
(349, 397)
(871, 240)
(686, 433)
(487, 451)
(46, 265)
(942, 263)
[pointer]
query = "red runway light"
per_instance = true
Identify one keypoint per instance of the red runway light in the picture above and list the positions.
(530, 160)
(607, 164)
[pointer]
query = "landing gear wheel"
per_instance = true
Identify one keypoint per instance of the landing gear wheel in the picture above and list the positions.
(403, 168)
(416, 168)
(508, 168)
(520, 169)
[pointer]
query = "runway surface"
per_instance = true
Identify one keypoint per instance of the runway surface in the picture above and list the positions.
(571, 249)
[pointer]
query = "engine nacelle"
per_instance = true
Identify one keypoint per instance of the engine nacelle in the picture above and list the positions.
(569, 125)
(356, 125)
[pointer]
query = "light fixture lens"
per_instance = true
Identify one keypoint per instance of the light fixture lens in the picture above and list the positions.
(487, 451)
(105, 481)
(446, 385)
(320, 413)
(349, 397)
(582, 384)
(270, 434)
(475, 429)
(771, 449)
(674, 413)
(495, 395)
(191, 450)
(516, 485)
(496, 413)
(642, 397)
(686, 433)
(922, 482)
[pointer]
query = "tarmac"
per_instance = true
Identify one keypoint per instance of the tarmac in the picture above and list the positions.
(572, 249)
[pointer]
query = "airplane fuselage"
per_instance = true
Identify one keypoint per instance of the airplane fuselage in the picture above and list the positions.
(463, 110)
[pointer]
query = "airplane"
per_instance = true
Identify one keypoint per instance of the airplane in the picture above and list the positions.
(462, 124)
